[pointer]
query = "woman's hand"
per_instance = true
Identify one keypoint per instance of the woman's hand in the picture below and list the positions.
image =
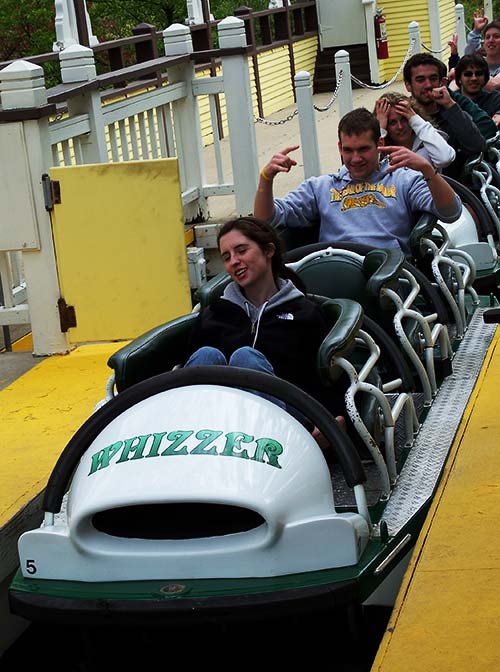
(480, 20)
(453, 44)
(382, 108)
(404, 109)
(493, 83)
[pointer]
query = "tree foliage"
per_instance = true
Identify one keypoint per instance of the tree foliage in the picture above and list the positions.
(26, 28)
(116, 18)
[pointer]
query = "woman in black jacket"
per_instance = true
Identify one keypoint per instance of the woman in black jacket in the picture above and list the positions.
(262, 321)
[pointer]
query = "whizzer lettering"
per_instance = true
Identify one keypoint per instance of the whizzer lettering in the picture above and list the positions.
(187, 442)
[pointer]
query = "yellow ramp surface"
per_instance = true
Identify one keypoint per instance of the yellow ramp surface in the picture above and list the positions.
(121, 254)
(447, 617)
(41, 411)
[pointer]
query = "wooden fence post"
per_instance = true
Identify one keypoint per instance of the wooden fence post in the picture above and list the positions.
(343, 65)
(307, 124)
(146, 51)
(177, 40)
(435, 28)
(78, 65)
(370, 6)
(240, 118)
(414, 31)
(25, 135)
(460, 28)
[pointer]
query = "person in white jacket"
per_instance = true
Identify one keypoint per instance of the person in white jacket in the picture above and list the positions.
(404, 127)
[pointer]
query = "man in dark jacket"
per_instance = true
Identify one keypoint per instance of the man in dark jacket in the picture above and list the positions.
(466, 124)
(471, 76)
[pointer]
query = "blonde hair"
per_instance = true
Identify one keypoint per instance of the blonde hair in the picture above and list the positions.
(394, 98)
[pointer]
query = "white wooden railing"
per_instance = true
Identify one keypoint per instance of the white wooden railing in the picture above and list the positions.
(156, 123)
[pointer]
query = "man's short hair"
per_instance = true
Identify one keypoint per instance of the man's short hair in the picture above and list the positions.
(359, 121)
(423, 59)
(472, 60)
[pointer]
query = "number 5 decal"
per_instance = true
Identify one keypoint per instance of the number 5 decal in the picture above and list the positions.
(30, 567)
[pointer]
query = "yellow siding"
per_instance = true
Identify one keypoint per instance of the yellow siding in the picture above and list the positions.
(447, 21)
(304, 53)
(398, 15)
(275, 80)
(253, 87)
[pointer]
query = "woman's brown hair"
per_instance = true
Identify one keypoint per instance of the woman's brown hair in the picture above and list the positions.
(264, 235)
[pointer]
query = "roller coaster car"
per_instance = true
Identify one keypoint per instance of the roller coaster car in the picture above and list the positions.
(187, 497)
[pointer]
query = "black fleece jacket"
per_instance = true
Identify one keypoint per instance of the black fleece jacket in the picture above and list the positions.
(289, 335)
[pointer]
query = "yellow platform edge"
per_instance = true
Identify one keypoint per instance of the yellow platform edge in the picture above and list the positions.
(417, 652)
(24, 344)
(41, 411)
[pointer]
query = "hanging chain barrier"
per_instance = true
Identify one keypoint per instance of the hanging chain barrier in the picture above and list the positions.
(269, 122)
(393, 79)
(334, 95)
(435, 51)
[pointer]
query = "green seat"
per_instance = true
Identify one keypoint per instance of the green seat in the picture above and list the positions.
(340, 273)
(213, 289)
(156, 351)
(369, 279)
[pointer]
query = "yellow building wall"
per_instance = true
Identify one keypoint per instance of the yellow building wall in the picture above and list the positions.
(447, 21)
(275, 80)
(304, 53)
(398, 15)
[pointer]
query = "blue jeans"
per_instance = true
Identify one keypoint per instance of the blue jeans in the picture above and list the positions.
(246, 358)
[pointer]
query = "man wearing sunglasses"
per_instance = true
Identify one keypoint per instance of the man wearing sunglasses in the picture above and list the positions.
(465, 123)
(471, 75)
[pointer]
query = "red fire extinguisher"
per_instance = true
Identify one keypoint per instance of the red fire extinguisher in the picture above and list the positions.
(381, 35)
